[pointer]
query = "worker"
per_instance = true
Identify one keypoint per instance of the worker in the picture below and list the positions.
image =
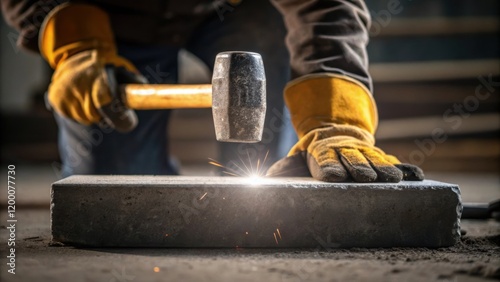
(329, 96)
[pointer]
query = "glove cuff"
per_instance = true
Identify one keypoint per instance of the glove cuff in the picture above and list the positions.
(320, 100)
(71, 28)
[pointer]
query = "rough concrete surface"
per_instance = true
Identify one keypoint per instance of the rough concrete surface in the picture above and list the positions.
(180, 211)
(475, 258)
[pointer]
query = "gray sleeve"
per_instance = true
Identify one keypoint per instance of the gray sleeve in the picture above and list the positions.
(26, 16)
(327, 36)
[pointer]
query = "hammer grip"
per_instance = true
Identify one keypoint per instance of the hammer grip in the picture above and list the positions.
(167, 96)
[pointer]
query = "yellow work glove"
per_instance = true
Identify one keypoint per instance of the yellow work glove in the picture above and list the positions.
(77, 41)
(335, 118)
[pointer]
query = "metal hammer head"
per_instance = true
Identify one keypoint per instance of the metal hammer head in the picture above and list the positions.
(239, 97)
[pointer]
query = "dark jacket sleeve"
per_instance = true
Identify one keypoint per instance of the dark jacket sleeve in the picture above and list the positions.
(27, 16)
(327, 36)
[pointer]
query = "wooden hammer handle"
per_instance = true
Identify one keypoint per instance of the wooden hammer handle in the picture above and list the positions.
(167, 96)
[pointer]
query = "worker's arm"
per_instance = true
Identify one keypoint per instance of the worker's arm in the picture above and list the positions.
(26, 16)
(78, 42)
(327, 37)
(330, 97)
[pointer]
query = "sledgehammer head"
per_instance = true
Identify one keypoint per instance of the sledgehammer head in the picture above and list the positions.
(239, 97)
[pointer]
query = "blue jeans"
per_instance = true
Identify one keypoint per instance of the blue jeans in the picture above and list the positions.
(253, 26)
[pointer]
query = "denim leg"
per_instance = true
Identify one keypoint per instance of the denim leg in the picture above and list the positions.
(97, 150)
(258, 27)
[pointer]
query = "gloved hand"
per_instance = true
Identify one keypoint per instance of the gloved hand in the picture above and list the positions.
(335, 119)
(77, 41)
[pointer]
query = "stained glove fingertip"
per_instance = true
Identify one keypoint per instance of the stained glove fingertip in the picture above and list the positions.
(332, 172)
(388, 173)
(411, 172)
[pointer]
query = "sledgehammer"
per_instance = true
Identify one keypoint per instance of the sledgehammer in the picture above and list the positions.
(237, 96)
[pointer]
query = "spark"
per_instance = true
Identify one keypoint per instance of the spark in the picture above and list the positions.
(215, 163)
(255, 180)
(166, 235)
(246, 232)
(244, 168)
(279, 234)
(275, 239)
(250, 161)
(203, 196)
(156, 269)
(229, 173)
(263, 163)
(218, 164)
(243, 172)
(247, 169)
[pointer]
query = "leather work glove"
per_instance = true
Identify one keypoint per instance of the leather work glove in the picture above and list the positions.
(335, 118)
(77, 41)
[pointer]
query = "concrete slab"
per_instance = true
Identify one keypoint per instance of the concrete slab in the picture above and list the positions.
(180, 211)
(475, 258)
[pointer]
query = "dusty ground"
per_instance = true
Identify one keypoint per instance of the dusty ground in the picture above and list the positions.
(476, 258)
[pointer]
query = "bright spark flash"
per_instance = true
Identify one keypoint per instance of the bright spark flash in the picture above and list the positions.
(246, 169)
(279, 234)
(255, 180)
(275, 239)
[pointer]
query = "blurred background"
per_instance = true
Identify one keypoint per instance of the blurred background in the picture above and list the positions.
(435, 66)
